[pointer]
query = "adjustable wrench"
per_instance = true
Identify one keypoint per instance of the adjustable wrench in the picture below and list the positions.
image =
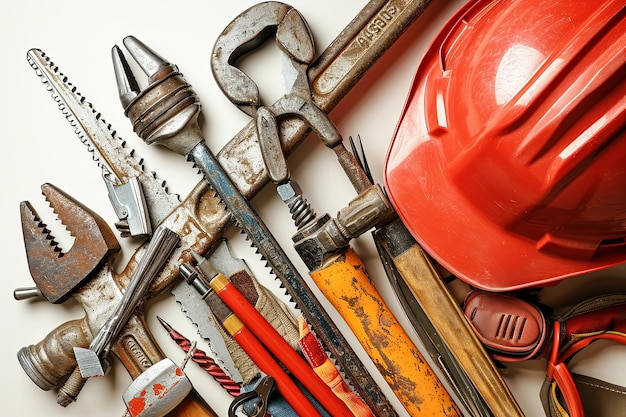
(94, 250)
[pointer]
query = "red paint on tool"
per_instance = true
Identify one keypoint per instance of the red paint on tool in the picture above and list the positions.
(159, 389)
(137, 405)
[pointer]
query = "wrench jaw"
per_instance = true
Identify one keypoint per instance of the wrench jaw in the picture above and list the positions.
(59, 274)
(245, 33)
(56, 273)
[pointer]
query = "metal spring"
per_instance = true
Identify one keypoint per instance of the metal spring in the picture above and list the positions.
(301, 211)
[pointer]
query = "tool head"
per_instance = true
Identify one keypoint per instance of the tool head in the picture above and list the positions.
(88, 362)
(245, 33)
(55, 272)
(166, 107)
(157, 391)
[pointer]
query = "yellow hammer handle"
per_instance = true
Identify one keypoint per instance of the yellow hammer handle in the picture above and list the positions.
(345, 283)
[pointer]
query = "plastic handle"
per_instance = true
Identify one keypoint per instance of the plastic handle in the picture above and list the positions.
(346, 284)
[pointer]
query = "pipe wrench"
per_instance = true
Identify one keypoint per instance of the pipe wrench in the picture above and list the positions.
(85, 272)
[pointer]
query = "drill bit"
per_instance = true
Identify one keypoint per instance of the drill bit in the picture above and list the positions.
(206, 362)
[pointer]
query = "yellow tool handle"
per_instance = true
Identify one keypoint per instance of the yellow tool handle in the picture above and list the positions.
(345, 283)
(449, 321)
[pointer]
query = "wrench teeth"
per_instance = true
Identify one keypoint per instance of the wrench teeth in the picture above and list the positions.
(32, 225)
(57, 273)
(64, 207)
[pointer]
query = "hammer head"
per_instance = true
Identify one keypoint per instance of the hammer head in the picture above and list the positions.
(157, 391)
(55, 272)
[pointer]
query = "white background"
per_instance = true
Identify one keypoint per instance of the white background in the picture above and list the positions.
(39, 146)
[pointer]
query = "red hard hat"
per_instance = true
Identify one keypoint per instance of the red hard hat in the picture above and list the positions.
(508, 164)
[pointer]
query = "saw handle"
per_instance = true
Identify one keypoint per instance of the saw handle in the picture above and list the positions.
(345, 283)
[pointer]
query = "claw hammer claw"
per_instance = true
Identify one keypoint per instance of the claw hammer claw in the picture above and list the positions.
(56, 273)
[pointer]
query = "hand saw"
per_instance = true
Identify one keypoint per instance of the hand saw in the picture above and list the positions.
(334, 74)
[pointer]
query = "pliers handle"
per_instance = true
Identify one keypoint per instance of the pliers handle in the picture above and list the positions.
(261, 392)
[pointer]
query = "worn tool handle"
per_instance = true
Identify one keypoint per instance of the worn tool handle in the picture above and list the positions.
(448, 319)
(192, 406)
(346, 284)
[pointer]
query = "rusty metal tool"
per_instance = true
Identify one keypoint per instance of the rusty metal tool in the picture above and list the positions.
(90, 361)
(95, 247)
(200, 215)
(58, 274)
(172, 122)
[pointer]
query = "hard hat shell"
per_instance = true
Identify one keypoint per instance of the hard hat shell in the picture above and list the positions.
(508, 164)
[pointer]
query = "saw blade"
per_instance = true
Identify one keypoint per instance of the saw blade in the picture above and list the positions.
(198, 312)
(107, 148)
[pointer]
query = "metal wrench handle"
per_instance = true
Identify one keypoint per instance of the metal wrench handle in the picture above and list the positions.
(161, 246)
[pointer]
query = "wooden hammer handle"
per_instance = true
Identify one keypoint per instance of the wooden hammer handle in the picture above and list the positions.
(346, 284)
